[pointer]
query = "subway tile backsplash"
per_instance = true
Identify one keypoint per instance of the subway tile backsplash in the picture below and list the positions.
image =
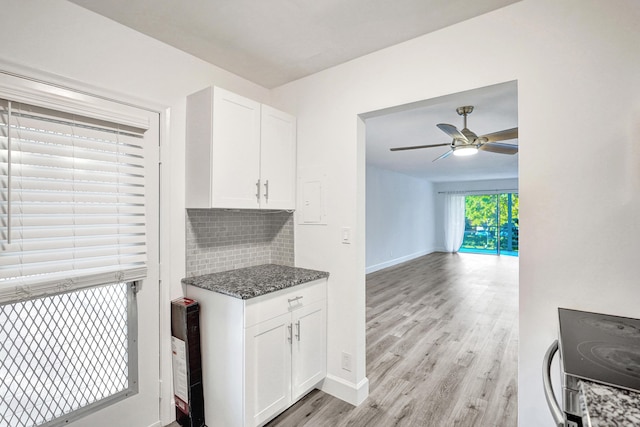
(220, 240)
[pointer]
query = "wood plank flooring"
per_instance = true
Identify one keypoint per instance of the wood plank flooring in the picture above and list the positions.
(442, 341)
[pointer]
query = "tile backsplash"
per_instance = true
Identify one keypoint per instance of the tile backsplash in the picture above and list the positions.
(220, 240)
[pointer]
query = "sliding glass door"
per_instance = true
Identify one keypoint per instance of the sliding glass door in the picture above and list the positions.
(508, 216)
(491, 224)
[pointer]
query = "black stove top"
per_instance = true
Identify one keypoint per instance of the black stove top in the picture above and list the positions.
(601, 348)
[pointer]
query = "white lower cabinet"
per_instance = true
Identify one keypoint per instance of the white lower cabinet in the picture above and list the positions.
(309, 348)
(260, 355)
(267, 369)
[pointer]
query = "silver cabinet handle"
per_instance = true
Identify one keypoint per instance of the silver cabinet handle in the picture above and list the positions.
(552, 401)
(258, 190)
(298, 329)
(294, 299)
(266, 191)
(290, 337)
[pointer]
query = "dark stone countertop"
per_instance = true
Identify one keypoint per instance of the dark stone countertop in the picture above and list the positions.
(251, 282)
(606, 406)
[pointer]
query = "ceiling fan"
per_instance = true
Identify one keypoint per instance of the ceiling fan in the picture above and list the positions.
(466, 143)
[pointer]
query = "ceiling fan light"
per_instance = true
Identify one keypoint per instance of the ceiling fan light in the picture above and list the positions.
(465, 151)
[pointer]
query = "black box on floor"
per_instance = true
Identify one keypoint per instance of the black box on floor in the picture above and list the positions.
(187, 362)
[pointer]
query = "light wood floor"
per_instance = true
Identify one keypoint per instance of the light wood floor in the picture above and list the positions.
(442, 341)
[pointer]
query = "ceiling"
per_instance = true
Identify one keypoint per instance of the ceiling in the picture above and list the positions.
(277, 41)
(495, 109)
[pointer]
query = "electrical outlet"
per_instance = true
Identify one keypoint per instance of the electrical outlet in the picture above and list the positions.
(346, 361)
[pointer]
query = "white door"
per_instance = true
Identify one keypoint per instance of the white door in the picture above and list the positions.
(309, 347)
(277, 159)
(141, 408)
(235, 155)
(267, 369)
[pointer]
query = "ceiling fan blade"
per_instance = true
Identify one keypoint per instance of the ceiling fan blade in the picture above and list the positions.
(452, 131)
(445, 155)
(502, 135)
(469, 135)
(415, 147)
(496, 147)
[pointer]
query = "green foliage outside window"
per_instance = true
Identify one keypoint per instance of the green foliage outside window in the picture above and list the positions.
(489, 219)
(480, 211)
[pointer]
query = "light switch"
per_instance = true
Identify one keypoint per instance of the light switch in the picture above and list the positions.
(346, 235)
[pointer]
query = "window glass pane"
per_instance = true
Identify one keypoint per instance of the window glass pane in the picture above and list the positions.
(509, 207)
(65, 352)
(480, 224)
(491, 224)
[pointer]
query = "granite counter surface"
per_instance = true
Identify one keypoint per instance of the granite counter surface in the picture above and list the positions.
(605, 406)
(251, 282)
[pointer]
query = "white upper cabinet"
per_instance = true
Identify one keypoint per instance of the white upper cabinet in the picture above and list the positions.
(240, 154)
(277, 159)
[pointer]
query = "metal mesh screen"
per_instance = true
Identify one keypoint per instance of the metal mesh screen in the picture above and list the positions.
(65, 353)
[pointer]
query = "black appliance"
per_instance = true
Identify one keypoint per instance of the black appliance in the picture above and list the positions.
(596, 347)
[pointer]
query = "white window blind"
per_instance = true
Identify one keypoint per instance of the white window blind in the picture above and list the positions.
(72, 211)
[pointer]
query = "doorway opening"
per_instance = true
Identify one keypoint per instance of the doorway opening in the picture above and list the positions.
(410, 211)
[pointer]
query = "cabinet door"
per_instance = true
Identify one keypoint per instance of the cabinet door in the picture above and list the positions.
(277, 159)
(309, 347)
(267, 369)
(235, 155)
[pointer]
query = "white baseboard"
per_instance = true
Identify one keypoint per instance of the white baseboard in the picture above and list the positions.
(350, 392)
(156, 424)
(399, 260)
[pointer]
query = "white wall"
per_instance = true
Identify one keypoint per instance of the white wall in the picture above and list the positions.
(65, 43)
(489, 185)
(576, 63)
(400, 218)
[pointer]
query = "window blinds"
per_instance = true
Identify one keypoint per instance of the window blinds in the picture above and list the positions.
(72, 211)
